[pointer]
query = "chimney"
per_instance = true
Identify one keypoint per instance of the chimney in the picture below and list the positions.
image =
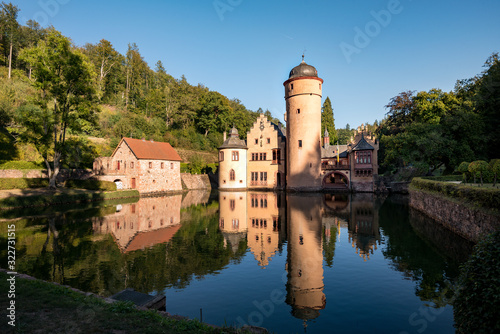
(225, 135)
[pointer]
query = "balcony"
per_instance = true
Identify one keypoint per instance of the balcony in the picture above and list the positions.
(258, 183)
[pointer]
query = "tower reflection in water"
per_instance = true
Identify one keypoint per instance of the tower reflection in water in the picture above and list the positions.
(310, 225)
(305, 257)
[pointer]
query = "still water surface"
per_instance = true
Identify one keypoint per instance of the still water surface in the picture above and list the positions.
(291, 263)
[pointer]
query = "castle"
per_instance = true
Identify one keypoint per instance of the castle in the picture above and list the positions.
(299, 160)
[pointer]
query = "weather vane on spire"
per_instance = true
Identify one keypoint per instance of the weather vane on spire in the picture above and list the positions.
(303, 55)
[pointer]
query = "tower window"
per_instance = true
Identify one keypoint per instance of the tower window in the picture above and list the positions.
(232, 175)
(221, 156)
(235, 156)
(269, 140)
(298, 111)
(256, 141)
(300, 143)
(291, 87)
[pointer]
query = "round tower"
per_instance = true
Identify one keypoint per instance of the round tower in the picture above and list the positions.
(233, 162)
(303, 128)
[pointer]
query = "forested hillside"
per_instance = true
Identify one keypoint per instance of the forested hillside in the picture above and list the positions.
(60, 100)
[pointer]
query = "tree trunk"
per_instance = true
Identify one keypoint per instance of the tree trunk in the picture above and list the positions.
(10, 61)
(481, 176)
(52, 180)
(126, 93)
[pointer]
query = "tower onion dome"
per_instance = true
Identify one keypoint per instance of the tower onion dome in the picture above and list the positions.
(303, 70)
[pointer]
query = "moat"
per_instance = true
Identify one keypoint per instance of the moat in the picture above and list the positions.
(319, 262)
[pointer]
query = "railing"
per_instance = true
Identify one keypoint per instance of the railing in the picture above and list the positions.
(334, 167)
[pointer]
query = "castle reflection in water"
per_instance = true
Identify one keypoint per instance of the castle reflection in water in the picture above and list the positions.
(309, 225)
(150, 221)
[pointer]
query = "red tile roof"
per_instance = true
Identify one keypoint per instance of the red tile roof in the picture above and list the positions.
(151, 150)
(149, 239)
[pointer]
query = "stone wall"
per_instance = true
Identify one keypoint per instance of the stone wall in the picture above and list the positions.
(363, 187)
(192, 182)
(470, 223)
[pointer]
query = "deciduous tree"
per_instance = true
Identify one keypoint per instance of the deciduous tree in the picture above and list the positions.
(494, 166)
(63, 76)
(464, 169)
(9, 27)
(479, 166)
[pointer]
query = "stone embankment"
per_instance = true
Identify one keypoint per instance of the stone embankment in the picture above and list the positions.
(465, 220)
(195, 182)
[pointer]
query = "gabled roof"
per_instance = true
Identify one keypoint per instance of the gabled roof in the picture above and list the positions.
(329, 151)
(151, 150)
(362, 145)
(278, 128)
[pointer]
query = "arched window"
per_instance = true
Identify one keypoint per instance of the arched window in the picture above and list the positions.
(232, 175)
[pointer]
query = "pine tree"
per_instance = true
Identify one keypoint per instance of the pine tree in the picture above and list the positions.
(327, 120)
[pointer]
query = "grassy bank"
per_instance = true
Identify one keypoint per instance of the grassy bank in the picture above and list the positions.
(479, 197)
(63, 196)
(42, 307)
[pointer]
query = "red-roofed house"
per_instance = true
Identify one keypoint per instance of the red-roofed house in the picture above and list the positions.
(147, 166)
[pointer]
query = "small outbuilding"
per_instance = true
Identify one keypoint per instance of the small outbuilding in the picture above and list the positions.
(145, 165)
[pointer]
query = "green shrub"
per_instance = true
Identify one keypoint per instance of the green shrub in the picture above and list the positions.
(483, 197)
(91, 185)
(477, 298)
(22, 183)
(184, 167)
(444, 178)
(210, 168)
(21, 165)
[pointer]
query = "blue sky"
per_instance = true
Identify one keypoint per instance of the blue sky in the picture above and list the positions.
(366, 51)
